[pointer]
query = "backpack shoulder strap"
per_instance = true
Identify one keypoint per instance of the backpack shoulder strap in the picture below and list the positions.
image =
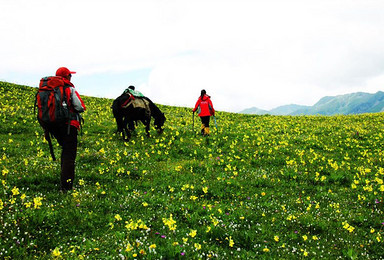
(47, 136)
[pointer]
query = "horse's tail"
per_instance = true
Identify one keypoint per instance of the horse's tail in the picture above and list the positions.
(117, 115)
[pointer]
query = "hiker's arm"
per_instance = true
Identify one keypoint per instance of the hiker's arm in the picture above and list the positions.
(197, 105)
(77, 102)
(211, 107)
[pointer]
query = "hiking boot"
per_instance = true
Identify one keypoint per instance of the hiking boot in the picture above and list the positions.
(206, 131)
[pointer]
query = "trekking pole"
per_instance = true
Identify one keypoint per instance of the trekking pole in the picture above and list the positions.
(48, 138)
(193, 122)
(214, 119)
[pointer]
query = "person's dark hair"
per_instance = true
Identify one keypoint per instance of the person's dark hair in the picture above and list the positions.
(203, 92)
(131, 87)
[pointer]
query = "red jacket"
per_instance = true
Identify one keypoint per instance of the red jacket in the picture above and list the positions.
(76, 103)
(206, 107)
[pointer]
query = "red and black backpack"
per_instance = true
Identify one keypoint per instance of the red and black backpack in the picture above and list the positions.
(52, 105)
(52, 102)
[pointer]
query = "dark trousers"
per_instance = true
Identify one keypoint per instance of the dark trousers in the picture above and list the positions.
(68, 143)
(205, 120)
(205, 125)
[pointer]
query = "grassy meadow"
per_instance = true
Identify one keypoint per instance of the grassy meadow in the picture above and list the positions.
(264, 187)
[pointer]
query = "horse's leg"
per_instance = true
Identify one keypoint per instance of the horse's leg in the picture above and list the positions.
(131, 125)
(120, 124)
(147, 125)
(126, 130)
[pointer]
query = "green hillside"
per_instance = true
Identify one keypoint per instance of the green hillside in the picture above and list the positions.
(260, 187)
(355, 103)
(348, 104)
(286, 110)
(254, 110)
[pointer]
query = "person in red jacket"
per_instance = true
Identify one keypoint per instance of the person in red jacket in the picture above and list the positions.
(204, 103)
(67, 136)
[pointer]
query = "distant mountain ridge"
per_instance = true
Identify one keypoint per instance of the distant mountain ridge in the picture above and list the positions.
(354, 103)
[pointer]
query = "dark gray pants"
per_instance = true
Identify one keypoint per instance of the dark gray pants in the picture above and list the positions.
(68, 143)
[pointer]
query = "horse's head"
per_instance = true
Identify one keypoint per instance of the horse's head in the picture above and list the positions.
(159, 122)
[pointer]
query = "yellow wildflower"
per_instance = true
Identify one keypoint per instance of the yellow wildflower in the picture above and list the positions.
(37, 202)
(15, 191)
(171, 223)
(5, 171)
(231, 242)
(129, 248)
(193, 233)
(56, 252)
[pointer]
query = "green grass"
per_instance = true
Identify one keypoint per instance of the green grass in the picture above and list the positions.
(260, 187)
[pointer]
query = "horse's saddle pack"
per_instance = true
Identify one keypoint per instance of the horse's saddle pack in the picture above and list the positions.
(139, 103)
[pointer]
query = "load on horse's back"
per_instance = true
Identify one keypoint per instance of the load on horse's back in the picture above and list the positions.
(129, 108)
(131, 90)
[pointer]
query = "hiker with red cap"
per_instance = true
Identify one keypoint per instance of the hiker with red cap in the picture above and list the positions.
(206, 110)
(63, 126)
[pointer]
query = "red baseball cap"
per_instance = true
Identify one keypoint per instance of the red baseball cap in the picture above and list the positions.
(64, 72)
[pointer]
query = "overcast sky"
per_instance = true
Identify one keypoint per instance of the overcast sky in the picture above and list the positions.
(255, 53)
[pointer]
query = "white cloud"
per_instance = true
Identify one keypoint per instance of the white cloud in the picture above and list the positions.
(244, 53)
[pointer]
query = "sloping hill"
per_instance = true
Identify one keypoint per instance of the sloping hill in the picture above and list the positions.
(286, 110)
(259, 187)
(254, 111)
(355, 103)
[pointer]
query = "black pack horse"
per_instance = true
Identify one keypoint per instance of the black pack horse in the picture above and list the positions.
(126, 113)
